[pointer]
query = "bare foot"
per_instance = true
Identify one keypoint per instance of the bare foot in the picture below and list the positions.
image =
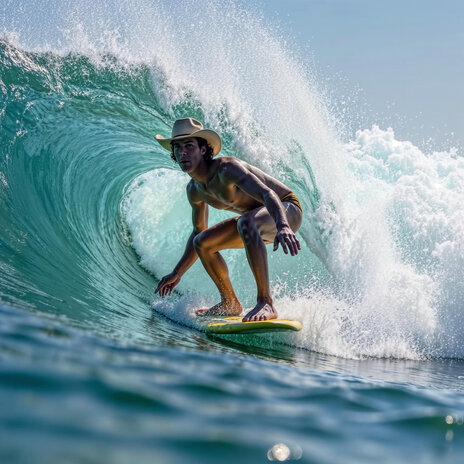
(263, 311)
(224, 308)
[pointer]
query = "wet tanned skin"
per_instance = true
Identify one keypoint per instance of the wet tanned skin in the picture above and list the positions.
(231, 184)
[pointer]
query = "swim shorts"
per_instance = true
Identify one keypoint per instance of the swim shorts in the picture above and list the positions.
(292, 198)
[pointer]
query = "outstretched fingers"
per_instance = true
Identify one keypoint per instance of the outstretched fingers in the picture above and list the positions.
(167, 284)
(161, 289)
(279, 240)
(276, 243)
(165, 290)
(289, 242)
(295, 245)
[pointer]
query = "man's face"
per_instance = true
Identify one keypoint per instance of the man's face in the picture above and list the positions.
(188, 153)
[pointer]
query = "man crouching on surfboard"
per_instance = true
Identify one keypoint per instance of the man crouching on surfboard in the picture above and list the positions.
(268, 212)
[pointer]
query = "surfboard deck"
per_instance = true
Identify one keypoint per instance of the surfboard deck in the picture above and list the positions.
(234, 325)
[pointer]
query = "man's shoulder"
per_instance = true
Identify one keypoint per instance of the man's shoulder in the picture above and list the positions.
(230, 161)
(230, 166)
(192, 192)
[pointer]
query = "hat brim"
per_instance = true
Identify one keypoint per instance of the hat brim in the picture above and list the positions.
(213, 139)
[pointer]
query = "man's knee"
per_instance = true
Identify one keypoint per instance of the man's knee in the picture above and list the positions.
(200, 242)
(247, 228)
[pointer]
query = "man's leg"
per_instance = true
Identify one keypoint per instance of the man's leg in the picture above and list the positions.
(207, 245)
(252, 228)
(257, 228)
(253, 231)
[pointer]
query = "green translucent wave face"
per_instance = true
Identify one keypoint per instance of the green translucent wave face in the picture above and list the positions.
(76, 136)
(73, 136)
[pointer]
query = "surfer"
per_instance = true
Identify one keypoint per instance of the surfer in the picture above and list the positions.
(268, 212)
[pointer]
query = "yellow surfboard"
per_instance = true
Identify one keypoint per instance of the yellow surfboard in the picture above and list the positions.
(234, 325)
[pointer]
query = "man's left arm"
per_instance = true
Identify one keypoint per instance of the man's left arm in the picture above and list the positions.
(253, 186)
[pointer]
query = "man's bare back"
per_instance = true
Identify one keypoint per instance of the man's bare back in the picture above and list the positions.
(267, 212)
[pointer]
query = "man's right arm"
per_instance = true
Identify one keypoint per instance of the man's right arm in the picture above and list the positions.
(200, 223)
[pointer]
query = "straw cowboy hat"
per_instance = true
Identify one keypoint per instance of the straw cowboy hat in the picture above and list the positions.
(188, 127)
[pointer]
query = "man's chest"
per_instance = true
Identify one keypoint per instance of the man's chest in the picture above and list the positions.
(221, 196)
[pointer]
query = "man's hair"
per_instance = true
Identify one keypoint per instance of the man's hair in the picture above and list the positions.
(208, 156)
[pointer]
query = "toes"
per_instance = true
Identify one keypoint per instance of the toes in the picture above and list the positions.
(261, 315)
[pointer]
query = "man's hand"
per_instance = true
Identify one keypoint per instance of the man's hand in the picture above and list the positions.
(287, 238)
(167, 284)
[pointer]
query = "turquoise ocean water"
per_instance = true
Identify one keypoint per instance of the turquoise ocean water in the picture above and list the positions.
(94, 368)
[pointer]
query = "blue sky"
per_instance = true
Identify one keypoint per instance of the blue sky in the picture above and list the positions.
(406, 56)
